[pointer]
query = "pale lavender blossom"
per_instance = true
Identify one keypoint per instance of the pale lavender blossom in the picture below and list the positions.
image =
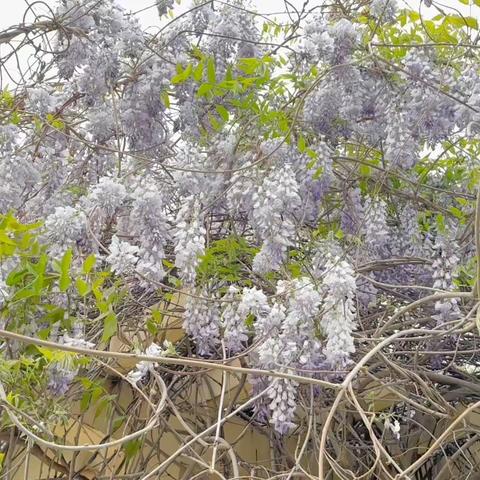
(60, 376)
(144, 367)
(346, 37)
(108, 194)
(152, 229)
(375, 226)
(283, 396)
(338, 318)
(384, 10)
(275, 204)
(189, 239)
(444, 266)
(123, 256)
(253, 301)
(201, 321)
(64, 228)
(352, 212)
(235, 331)
(286, 340)
(76, 340)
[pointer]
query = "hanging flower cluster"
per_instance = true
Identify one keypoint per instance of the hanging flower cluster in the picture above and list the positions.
(287, 182)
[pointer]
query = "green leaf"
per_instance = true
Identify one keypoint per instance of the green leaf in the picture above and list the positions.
(168, 264)
(65, 265)
(103, 404)
(157, 316)
(301, 144)
(461, 21)
(182, 76)
(456, 212)
(197, 53)
(85, 401)
(119, 422)
(250, 320)
(249, 65)
(82, 287)
(471, 22)
(4, 238)
(365, 170)
(25, 293)
(88, 264)
(46, 353)
(109, 327)
(15, 119)
(215, 124)
(165, 97)
(295, 269)
(15, 277)
(204, 89)
(36, 286)
(318, 173)
(440, 220)
(211, 71)
(131, 448)
(198, 72)
(223, 112)
(152, 327)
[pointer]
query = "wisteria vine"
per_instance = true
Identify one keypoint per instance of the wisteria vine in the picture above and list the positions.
(281, 188)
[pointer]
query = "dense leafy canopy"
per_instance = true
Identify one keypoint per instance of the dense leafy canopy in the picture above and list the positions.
(296, 194)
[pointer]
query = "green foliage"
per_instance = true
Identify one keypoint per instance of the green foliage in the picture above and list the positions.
(154, 322)
(227, 260)
(8, 108)
(132, 448)
(55, 122)
(245, 94)
(35, 283)
(94, 394)
(25, 380)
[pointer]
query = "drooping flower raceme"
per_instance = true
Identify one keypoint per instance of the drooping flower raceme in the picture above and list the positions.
(345, 36)
(444, 265)
(408, 239)
(338, 319)
(384, 10)
(60, 377)
(283, 396)
(273, 217)
(152, 229)
(189, 239)
(108, 194)
(401, 144)
(143, 367)
(123, 256)
(375, 227)
(286, 341)
(271, 323)
(201, 320)
(63, 228)
(233, 322)
(352, 213)
(303, 302)
(254, 302)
